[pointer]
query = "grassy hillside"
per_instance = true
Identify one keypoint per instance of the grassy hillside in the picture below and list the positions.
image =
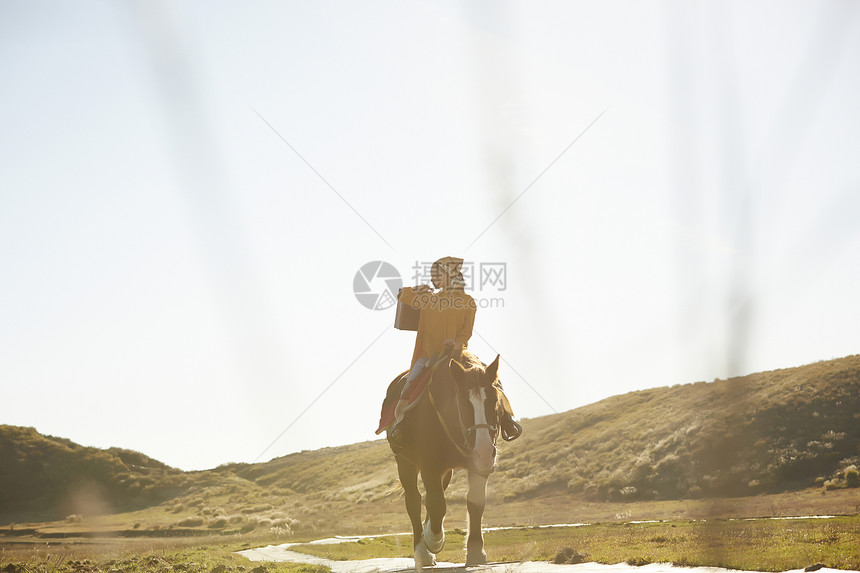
(43, 477)
(777, 431)
(768, 432)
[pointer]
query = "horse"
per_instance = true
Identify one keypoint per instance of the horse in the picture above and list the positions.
(456, 424)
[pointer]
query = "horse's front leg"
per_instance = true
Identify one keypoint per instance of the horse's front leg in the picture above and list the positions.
(434, 529)
(476, 499)
(408, 474)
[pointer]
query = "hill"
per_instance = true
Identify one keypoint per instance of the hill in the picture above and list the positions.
(768, 432)
(784, 430)
(44, 476)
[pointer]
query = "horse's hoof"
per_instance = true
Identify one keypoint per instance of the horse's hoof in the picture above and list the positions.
(434, 543)
(475, 554)
(475, 558)
(423, 558)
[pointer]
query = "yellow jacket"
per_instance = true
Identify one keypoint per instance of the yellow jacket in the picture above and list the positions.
(447, 314)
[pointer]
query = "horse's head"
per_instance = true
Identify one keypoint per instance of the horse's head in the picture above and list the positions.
(480, 411)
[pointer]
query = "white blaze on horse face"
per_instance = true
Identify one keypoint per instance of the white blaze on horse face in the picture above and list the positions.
(484, 452)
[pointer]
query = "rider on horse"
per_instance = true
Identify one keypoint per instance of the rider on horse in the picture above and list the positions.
(444, 329)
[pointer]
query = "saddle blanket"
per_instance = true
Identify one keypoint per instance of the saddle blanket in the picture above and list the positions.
(395, 394)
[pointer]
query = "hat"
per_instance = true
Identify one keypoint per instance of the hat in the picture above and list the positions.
(450, 266)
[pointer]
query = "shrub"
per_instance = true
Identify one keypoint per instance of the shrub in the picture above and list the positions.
(832, 484)
(852, 477)
(569, 556)
(629, 492)
(576, 484)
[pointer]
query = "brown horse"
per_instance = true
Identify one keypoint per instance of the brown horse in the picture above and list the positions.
(455, 425)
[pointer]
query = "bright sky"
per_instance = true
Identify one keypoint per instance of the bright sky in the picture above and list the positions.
(187, 191)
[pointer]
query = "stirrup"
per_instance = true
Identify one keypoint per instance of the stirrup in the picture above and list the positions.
(517, 431)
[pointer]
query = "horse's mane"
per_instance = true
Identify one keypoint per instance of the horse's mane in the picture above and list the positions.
(469, 360)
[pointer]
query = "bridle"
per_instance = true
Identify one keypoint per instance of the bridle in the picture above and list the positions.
(469, 431)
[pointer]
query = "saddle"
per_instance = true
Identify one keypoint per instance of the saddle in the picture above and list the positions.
(510, 429)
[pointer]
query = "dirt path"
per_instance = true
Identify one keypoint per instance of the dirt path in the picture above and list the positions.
(406, 565)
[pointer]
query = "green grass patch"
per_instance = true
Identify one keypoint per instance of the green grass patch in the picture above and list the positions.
(755, 545)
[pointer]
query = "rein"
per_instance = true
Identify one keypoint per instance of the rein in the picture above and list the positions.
(457, 445)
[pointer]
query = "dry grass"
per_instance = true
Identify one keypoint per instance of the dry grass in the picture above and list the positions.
(158, 556)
